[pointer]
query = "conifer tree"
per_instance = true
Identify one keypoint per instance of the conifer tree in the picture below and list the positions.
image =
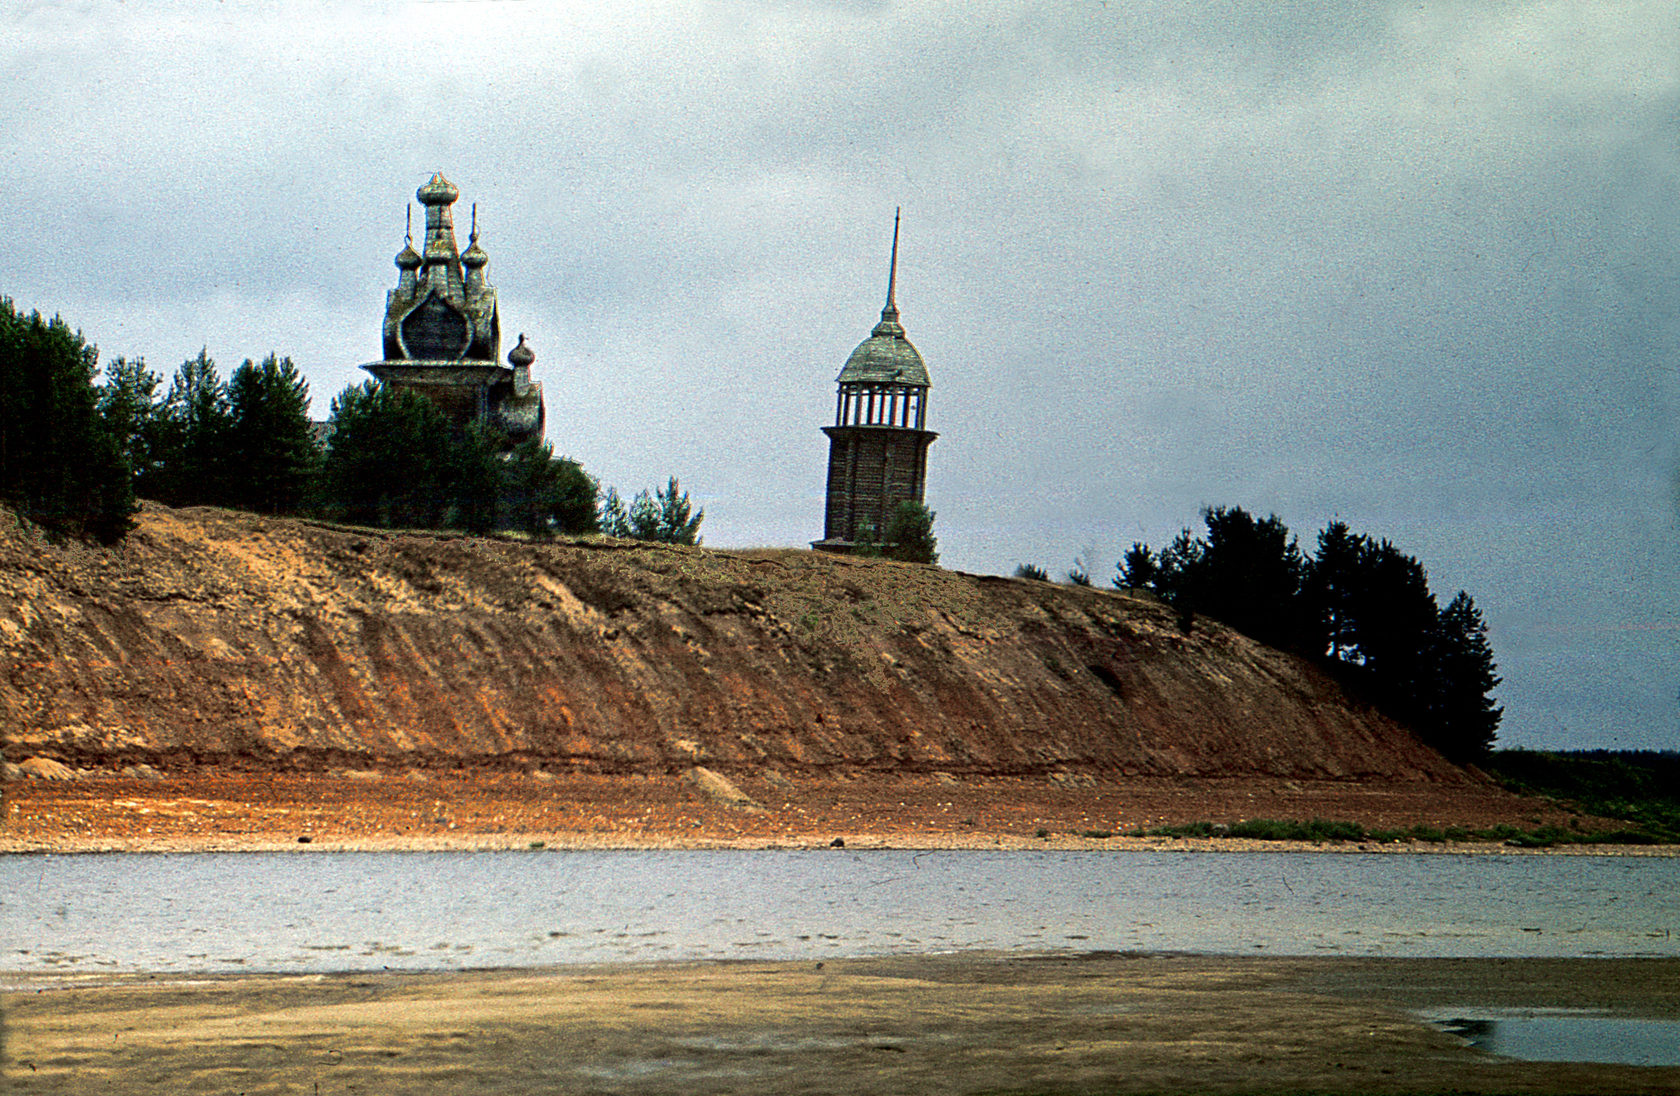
(59, 465)
(666, 516)
(132, 413)
(614, 516)
(1464, 721)
(390, 458)
(908, 534)
(1331, 581)
(270, 442)
(193, 458)
(1394, 617)
(545, 494)
(1245, 572)
(1136, 570)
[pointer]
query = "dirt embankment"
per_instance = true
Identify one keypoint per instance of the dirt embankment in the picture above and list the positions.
(216, 637)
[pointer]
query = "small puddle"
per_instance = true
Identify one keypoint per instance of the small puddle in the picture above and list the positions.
(1563, 1035)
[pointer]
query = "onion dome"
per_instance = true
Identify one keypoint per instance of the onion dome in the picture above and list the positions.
(474, 257)
(408, 258)
(437, 191)
(521, 356)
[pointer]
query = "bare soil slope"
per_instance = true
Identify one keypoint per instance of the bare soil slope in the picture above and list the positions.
(212, 636)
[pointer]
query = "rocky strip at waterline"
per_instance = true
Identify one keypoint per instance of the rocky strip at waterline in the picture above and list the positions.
(220, 809)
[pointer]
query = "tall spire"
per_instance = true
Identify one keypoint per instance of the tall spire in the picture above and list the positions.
(889, 324)
(891, 311)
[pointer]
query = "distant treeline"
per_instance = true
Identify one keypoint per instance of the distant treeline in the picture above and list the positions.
(1642, 786)
(1359, 606)
(75, 454)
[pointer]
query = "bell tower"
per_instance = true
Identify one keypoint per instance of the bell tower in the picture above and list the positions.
(877, 447)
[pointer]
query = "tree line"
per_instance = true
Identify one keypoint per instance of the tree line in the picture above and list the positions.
(76, 454)
(1357, 605)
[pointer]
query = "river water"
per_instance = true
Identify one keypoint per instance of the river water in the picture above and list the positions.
(321, 911)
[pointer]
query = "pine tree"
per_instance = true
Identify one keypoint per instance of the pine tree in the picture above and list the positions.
(1245, 572)
(1331, 580)
(270, 442)
(132, 413)
(614, 517)
(1463, 719)
(1137, 569)
(908, 535)
(193, 457)
(666, 516)
(59, 464)
(544, 494)
(390, 458)
(1394, 619)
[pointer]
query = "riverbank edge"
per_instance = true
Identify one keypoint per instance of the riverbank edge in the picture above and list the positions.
(931, 842)
(411, 810)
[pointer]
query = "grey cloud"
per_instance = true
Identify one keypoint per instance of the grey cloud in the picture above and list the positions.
(1410, 265)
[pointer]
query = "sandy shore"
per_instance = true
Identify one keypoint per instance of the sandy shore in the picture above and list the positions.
(214, 810)
(944, 1024)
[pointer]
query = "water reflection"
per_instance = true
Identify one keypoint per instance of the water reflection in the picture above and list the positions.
(1564, 1035)
(312, 911)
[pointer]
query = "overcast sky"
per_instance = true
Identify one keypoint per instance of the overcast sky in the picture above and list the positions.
(1412, 265)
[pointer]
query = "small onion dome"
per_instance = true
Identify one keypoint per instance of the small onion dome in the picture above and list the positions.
(521, 356)
(474, 257)
(408, 258)
(437, 191)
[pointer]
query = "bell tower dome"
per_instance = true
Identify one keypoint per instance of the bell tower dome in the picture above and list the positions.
(877, 448)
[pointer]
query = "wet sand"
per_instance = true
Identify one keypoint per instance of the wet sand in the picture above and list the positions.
(939, 1024)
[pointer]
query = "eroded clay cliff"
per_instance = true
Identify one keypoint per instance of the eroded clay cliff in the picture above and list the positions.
(220, 636)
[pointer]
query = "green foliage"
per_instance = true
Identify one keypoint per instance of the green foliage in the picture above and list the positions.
(1079, 574)
(196, 422)
(390, 458)
(246, 443)
(1463, 719)
(867, 541)
(614, 517)
(665, 516)
(394, 459)
(1245, 572)
(1640, 786)
(270, 445)
(1330, 585)
(1137, 570)
(1361, 606)
(908, 535)
(128, 404)
(544, 494)
(473, 479)
(60, 465)
(1032, 571)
